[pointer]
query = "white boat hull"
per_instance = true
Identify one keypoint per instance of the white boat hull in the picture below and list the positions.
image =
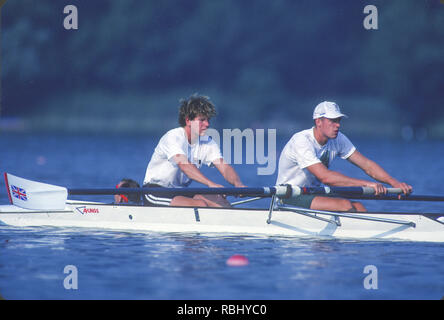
(226, 221)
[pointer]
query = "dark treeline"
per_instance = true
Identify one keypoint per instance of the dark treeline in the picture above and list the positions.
(270, 51)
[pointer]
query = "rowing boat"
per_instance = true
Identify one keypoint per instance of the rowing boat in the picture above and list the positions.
(278, 219)
(282, 222)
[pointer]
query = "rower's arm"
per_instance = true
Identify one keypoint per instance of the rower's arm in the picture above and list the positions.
(193, 172)
(228, 173)
(375, 171)
(334, 178)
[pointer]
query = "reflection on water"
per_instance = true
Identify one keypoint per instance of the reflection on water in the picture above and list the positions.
(137, 265)
(173, 266)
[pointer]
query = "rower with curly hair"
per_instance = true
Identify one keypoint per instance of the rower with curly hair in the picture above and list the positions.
(182, 151)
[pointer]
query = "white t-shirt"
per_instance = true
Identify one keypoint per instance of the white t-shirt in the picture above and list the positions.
(164, 171)
(303, 150)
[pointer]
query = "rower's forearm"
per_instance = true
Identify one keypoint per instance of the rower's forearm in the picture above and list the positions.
(231, 176)
(194, 173)
(379, 174)
(337, 179)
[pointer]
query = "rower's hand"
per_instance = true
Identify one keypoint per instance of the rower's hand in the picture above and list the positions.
(406, 188)
(240, 185)
(378, 187)
(215, 185)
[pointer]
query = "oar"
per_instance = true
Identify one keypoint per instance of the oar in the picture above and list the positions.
(29, 194)
(36, 195)
(365, 193)
(259, 191)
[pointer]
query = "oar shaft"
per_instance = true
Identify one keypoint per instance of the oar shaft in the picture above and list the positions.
(263, 191)
(280, 191)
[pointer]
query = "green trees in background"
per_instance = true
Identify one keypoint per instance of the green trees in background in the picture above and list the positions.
(271, 52)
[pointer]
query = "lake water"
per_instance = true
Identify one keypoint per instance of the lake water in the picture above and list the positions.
(134, 265)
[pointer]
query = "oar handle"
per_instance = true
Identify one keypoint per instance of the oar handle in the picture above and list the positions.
(371, 191)
(345, 191)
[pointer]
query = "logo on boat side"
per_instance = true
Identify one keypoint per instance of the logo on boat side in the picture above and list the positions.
(85, 210)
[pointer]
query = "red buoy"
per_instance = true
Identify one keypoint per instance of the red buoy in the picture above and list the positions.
(237, 260)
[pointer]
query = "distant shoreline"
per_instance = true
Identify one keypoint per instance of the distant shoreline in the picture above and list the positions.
(128, 125)
(154, 113)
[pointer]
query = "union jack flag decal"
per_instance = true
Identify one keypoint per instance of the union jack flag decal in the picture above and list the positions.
(19, 193)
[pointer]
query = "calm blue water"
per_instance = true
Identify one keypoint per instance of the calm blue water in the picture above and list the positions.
(124, 265)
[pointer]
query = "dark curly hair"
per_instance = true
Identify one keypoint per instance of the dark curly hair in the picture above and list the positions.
(130, 183)
(193, 106)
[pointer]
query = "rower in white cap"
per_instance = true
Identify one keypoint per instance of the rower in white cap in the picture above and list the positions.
(306, 158)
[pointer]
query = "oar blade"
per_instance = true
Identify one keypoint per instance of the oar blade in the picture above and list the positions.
(35, 195)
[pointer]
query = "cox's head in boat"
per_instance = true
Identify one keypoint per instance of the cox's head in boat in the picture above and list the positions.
(180, 154)
(306, 158)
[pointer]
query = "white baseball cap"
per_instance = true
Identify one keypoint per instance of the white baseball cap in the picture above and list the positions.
(328, 110)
